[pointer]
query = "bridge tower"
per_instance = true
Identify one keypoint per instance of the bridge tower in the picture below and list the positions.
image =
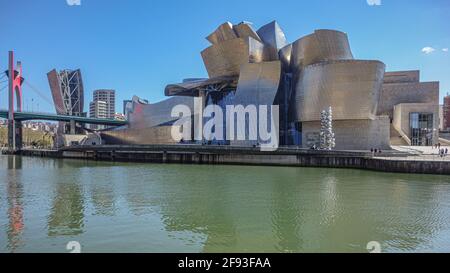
(14, 91)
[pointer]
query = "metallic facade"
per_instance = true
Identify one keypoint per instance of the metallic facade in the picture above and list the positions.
(148, 123)
(223, 33)
(322, 45)
(244, 30)
(285, 55)
(351, 88)
(226, 58)
(258, 84)
(325, 74)
(236, 45)
(248, 67)
(157, 114)
(273, 38)
(193, 87)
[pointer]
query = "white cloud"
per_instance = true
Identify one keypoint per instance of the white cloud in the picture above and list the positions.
(445, 49)
(73, 2)
(428, 50)
(374, 2)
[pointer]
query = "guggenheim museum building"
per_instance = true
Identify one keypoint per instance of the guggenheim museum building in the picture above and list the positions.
(372, 108)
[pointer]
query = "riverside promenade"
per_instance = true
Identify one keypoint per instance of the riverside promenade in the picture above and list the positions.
(399, 161)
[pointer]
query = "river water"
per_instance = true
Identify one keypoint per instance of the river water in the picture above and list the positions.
(129, 207)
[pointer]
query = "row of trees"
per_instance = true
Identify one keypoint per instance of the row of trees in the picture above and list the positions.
(32, 138)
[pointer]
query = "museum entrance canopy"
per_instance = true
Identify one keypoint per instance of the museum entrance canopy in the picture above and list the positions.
(193, 87)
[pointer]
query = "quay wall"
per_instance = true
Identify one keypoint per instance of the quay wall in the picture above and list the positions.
(248, 156)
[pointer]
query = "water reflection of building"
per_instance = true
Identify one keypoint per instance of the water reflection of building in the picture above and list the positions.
(248, 67)
(67, 211)
(103, 197)
(15, 203)
(292, 210)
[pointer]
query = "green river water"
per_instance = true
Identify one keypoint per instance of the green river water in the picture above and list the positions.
(129, 207)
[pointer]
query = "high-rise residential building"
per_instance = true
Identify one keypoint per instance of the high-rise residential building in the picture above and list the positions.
(446, 113)
(98, 109)
(109, 97)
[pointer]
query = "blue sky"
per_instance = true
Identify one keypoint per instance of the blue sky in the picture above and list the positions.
(139, 46)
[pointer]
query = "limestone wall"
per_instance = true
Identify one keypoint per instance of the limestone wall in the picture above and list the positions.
(402, 117)
(352, 134)
(410, 92)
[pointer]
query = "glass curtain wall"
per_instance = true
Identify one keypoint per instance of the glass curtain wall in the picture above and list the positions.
(421, 125)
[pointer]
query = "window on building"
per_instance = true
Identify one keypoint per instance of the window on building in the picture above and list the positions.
(422, 129)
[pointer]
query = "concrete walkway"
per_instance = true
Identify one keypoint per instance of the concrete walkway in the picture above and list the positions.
(419, 153)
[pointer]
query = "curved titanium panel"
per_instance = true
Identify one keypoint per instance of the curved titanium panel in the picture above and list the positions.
(223, 33)
(273, 38)
(225, 59)
(285, 57)
(273, 35)
(150, 115)
(144, 136)
(244, 30)
(352, 88)
(258, 83)
(148, 123)
(322, 45)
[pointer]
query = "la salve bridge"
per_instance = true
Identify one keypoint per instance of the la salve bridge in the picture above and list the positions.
(15, 115)
(26, 116)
